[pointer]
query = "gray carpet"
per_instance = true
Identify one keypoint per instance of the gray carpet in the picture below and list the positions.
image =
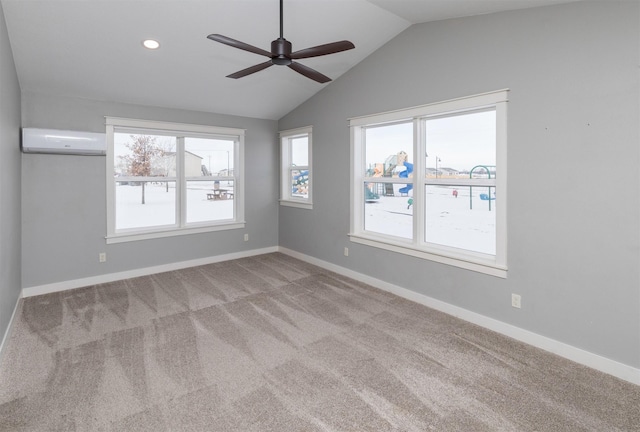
(270, 343)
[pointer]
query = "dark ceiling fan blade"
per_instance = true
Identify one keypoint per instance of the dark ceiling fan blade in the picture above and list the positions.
(309, 73)
(281, 54)
(321, 50)
(250, 70)
(237, 44)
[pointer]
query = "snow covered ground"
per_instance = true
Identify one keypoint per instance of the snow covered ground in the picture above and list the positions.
(450, 221)
(159, 207)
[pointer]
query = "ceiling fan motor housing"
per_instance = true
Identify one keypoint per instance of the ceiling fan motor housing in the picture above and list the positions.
(281, 52)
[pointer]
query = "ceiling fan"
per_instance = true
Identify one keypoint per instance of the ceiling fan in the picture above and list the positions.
(281, 54)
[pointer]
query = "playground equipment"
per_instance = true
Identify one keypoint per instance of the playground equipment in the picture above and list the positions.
(484, 197)
(370, 195)
(383, 170)
(402, 160)
(301, 183)
(386, 169)
(389, 166)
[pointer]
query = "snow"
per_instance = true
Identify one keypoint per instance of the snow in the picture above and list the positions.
(159, 208)
(449, 220)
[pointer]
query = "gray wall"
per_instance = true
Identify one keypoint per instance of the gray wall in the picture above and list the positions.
(9, 180)
(64, 201)
(573, 162)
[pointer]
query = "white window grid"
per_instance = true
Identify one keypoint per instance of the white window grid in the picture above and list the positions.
(180, 131)
(287, 198)
(495, 265)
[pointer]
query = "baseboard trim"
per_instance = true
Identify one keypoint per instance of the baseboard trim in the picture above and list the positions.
(7, 332)
(112, 277)
(578, 355)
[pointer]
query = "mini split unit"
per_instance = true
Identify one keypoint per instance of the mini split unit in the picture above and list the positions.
(63, 142)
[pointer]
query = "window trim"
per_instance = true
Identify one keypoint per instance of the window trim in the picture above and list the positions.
(118, 124)
(417, 247)
(286, 198)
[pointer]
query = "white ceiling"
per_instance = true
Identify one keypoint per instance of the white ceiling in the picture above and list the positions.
(92, 48)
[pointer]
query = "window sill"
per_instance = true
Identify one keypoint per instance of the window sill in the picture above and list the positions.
(147, 235)
(297, 204)
(466, 262)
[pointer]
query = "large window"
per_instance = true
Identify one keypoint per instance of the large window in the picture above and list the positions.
(295, 163)
(169, 179)
(430, 182)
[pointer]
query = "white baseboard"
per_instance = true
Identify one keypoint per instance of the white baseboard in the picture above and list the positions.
(112, 277)
(595, 361)
(586, 358)
(9, 327)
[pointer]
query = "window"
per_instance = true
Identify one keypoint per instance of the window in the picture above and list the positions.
(430, 182)
(295, 163)
(166, 179)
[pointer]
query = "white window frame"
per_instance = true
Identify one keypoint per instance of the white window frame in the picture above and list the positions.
(495, 265)
(286, 196)
(116, 124)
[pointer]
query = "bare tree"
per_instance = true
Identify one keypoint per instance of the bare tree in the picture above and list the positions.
(165, 160)
(143, 151)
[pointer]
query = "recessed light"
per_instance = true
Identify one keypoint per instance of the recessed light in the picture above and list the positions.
(151, 44)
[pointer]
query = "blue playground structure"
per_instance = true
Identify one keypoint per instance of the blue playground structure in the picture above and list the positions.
(486, 197)
(387, 169)
(301, 182)
(405, 174)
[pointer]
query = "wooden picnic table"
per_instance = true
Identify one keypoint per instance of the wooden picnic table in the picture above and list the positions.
(220, 194)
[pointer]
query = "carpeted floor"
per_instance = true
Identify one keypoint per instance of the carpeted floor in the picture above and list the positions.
(270, 343)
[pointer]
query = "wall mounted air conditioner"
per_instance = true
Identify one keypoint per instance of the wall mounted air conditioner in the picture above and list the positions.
(63, 142)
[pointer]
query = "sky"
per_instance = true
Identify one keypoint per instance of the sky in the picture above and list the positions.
(459, 142)
(300, 151)
(215, 154)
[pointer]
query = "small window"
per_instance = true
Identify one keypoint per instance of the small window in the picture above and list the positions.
(295, 161)
(166, 179)
(430, 182)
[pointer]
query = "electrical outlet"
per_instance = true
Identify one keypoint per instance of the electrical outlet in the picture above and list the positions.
(246, 237)
(516, 301)
(346, 251)
(102, 257)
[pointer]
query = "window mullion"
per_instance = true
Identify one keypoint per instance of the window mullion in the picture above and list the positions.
(419, 193)
(181, 184)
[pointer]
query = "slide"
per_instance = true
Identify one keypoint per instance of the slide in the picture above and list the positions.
(405, 174)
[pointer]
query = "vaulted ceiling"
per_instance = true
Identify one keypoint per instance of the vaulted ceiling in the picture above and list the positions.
(93, 48)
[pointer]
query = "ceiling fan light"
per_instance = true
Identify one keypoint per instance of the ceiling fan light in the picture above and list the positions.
(151, 44)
